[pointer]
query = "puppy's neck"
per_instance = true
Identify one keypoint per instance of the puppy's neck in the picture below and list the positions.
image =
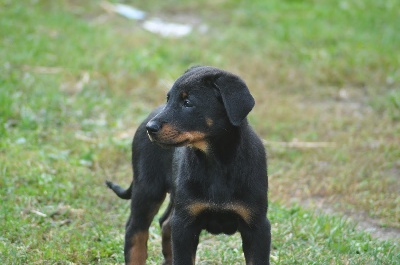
(224, 148)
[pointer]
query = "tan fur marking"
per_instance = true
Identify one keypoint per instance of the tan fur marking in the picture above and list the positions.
(193, 137)
(241, 210)
(184, 95)
(138, 252)
(209, 122)
(198, 207)
(197, 140)
(201, 145)
(169, 135)
(167, 129)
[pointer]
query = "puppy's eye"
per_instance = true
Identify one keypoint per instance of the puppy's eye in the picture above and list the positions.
(187, 103)
(167, 98)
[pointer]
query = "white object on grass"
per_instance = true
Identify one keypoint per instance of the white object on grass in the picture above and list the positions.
(167, 29)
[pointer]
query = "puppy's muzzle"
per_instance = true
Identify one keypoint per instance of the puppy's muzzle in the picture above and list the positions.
(153, 128)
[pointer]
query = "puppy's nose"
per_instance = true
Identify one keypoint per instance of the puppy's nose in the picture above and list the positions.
(153, 127)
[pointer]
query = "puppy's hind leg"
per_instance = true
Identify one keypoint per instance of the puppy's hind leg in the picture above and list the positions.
(146, 201)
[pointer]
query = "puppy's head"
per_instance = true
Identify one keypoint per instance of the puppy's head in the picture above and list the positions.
(203, 103)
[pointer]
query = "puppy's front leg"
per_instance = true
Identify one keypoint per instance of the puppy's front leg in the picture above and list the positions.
(185, 238)
(257, 242)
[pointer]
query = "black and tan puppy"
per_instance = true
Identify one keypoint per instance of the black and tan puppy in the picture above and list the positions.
(200, 149)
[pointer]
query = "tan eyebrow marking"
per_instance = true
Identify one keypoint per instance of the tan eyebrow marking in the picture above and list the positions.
(184, 95)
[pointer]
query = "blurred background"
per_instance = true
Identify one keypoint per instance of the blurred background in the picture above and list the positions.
(78, 77)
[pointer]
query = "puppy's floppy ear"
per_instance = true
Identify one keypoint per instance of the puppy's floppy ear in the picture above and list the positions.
(235, 95)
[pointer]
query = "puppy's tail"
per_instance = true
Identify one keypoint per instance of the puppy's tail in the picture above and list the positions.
(125, 194)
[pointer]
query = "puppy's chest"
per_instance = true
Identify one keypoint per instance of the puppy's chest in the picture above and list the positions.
(217, 208)
(214, 197)
(216, 184)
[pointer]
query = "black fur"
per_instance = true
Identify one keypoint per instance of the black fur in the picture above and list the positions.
(204, 153)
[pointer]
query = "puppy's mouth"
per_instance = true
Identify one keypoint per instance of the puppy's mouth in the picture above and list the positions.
(178, 139)
(168, 141)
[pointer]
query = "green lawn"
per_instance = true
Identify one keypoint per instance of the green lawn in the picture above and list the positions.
(76, 80)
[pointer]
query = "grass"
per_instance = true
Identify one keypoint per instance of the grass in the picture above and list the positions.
(75, 82)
